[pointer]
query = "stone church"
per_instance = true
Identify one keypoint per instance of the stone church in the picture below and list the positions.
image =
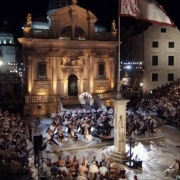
(66, 54)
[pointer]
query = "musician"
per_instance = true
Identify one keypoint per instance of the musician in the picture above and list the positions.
(74, 136)
(53, 128)
(86, 134)
(61, 137)
(50, 136)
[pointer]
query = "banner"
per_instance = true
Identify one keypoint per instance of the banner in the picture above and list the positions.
(148, 10)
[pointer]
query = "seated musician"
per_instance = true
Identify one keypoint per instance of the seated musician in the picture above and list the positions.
(74, 136)
(86, 134)
(61, 137)
(50, 136)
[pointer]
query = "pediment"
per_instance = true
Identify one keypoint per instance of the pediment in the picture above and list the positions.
(70, 11)
(67, 9)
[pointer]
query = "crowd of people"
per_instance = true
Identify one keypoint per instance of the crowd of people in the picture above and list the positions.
(164, 102)
(14, 150)
(161, 106)
(81, 169)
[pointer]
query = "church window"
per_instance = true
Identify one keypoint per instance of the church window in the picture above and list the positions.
(66, 33)
(41, 71)
(70, 32)
(101, 70)
(79, 33)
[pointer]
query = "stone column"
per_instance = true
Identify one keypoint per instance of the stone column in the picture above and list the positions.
(117, 152)
(54, 76)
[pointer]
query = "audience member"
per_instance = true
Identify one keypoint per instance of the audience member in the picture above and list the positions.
(173, 168)
(103, 171)
(68, 161)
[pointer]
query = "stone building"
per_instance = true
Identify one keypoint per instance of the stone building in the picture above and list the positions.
(158, 48)
(65, 55)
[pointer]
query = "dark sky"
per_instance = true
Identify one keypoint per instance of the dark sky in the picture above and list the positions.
(15, 11)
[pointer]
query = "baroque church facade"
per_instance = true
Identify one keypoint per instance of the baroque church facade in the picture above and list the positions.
(65, 55)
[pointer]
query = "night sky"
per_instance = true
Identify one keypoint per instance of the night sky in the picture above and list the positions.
(15, 11)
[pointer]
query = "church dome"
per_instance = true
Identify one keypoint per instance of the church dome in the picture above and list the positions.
(56, 4)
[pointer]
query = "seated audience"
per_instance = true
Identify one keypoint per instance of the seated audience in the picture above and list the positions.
(54, 169)
(60, 161)
(103, 171)
(83, 168)
(68, 161)
(173, 168)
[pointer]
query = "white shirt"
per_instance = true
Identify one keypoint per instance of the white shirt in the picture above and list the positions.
(103, 170)
(63, 168)
(82, 169)
(93, 168)
(52, 128)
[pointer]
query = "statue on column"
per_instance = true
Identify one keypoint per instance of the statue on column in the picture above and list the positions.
(28, 26)
(29, 20)
(113, 26)
(74, 2)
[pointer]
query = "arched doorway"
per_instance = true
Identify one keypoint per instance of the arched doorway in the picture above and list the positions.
(72, 85)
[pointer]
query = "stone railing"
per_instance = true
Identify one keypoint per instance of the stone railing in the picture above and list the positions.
(45, 34)
(41, 99)
(113, 95)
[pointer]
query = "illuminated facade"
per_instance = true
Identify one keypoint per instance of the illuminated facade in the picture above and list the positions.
(158, 48)
(67, 55)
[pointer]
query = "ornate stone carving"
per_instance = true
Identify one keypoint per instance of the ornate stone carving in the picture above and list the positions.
(73, 60)
(120, 123)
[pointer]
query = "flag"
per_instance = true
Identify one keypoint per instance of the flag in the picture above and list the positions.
(148, 10)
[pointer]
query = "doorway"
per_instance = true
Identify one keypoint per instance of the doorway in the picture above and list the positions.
(72, 85)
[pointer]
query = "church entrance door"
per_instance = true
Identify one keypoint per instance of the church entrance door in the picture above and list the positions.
(72, 85)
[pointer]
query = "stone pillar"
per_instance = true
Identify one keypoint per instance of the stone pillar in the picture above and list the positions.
(54, 76)
(117, 152)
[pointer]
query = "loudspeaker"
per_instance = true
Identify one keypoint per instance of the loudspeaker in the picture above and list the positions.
(38, 140)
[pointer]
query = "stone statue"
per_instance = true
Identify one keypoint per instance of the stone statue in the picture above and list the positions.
(113, 26)
(64, 60)
(74, 2)
(29, 20)
(120, 122)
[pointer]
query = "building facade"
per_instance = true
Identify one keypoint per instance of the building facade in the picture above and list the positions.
(158, 48)
(66, 55)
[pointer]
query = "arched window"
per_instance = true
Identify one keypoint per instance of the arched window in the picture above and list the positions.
(79, 33)
(66, 33)
(70, 32)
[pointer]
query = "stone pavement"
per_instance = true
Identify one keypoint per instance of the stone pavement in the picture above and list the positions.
(156, 151)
